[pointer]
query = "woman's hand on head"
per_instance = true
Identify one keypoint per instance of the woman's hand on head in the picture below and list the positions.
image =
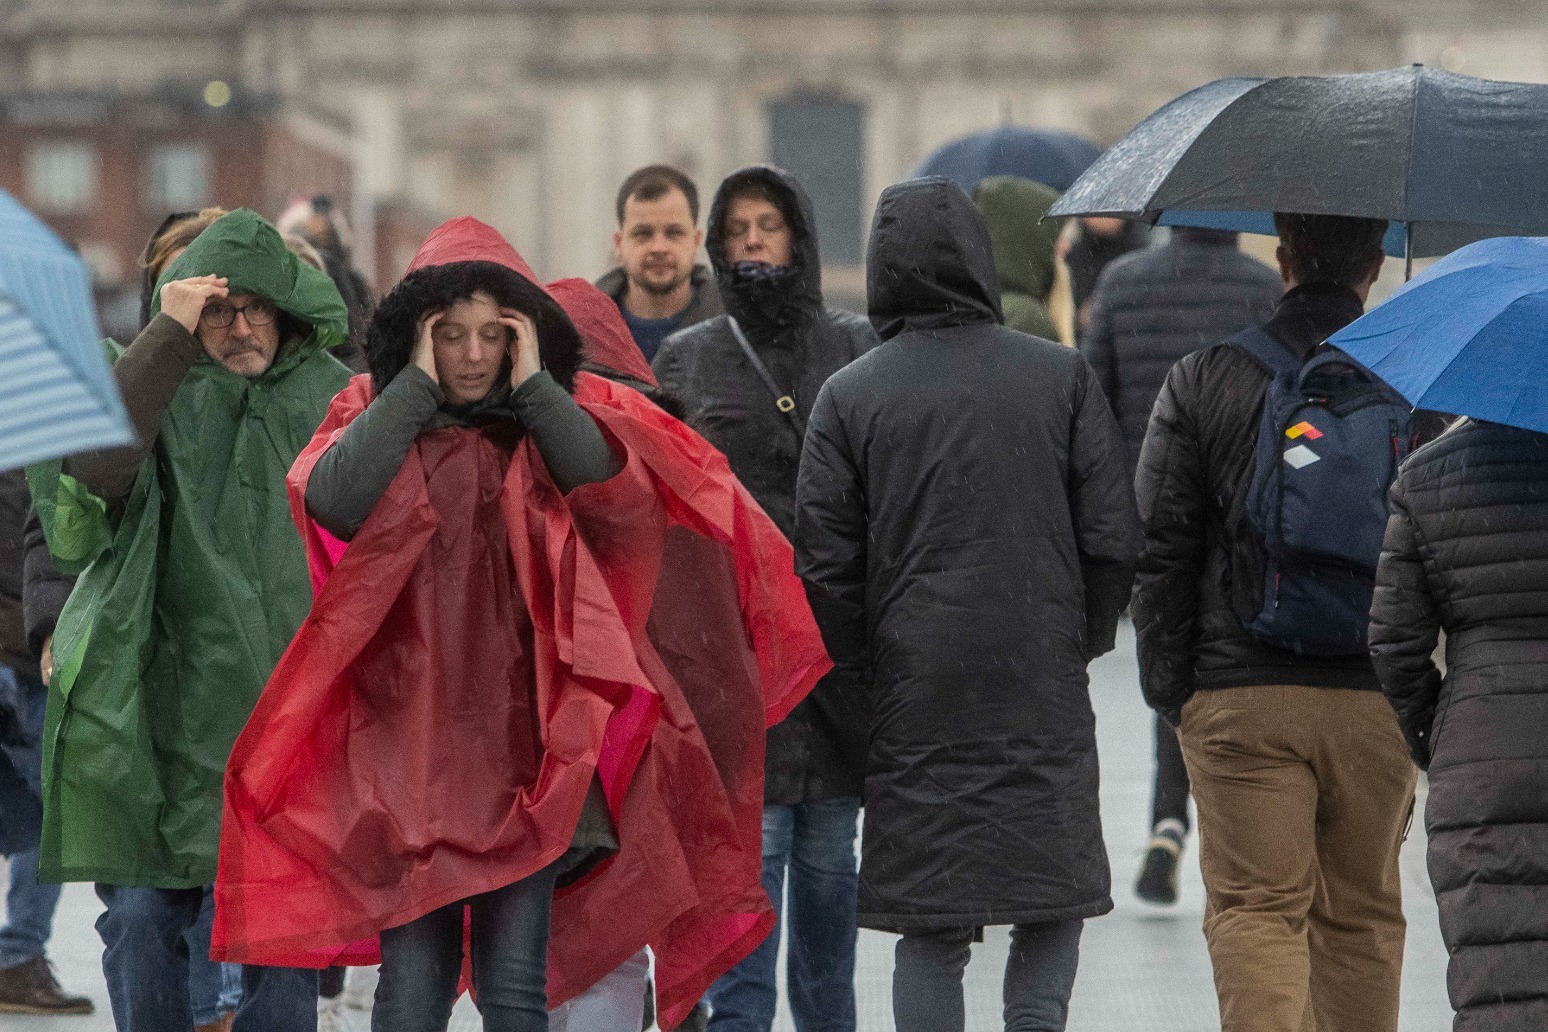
(424, 347)
(526, 360)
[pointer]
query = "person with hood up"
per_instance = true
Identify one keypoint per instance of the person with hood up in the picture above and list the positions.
(1024, 243)
(549, 628)
(192, 583)
(1465, 553)
(967, 535)
(748, 379)
(320, 222)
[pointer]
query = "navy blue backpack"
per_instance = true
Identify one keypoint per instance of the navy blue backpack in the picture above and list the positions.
(1329, 445)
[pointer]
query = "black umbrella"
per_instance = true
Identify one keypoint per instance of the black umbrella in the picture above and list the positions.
(1448, 159)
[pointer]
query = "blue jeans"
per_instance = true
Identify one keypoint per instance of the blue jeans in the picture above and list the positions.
(29, 906)
(146, 963)
(816, 841)
(214, 989)
(422, 961)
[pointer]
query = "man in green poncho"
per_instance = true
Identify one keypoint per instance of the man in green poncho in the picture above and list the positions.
(193, 583)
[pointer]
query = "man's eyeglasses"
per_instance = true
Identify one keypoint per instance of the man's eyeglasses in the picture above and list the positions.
(218, 315)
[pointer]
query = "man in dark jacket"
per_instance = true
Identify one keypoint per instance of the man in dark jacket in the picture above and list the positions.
(749, 379)
(27, 984)
(966, 530)
(1151, 308)
(1302, 780)
(657, 287)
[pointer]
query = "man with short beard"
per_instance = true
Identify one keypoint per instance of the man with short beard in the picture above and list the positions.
(656, 285)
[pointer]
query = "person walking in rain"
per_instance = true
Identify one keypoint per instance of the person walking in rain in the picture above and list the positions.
(193, 584)
(748, 380)
(966, 531)
(1024, 249)
(1150, 308)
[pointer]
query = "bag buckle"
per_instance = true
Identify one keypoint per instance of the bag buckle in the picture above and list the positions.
(785, 404)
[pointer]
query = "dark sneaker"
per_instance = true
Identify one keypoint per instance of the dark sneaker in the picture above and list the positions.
(30, 988)
(697, 1019)
(1158, 875)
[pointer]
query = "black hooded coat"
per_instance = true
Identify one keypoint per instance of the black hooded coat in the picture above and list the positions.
(817, 752)
(967, 534)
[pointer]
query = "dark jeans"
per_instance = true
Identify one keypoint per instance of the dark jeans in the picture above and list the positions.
(146, 964)
(1039, 977)
(816, 841)
(1170, 801)
(29, 904)
(422, 961)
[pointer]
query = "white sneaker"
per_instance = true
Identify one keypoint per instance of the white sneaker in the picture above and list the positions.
(331, 1016)
(360, 988)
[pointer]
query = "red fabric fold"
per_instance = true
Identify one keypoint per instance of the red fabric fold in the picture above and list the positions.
(663, 628)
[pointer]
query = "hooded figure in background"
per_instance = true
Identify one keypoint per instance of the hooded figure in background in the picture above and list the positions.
(321, 223)
(192, 583)
(748, 380)
(391, 775)
(1024, 244)
(967, 535)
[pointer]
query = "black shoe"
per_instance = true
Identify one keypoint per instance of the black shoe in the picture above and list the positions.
(697, 1019)
(30, 988)
(1158, 876)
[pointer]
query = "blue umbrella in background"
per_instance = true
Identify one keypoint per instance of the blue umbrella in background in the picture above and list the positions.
(57, 394)
(1468, 336)
(1048, 156)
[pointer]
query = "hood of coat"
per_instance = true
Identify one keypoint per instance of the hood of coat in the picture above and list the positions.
(930, 264)
(459, 258)
(249, 252)
(1023, 242)
(767, 306)
(605, 338)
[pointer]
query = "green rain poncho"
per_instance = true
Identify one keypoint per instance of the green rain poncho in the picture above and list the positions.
(188, 596)
(1023, 245)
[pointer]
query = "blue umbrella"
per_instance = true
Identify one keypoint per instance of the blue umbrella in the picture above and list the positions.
(57, 394)
(1467, 336)
(1046, 156)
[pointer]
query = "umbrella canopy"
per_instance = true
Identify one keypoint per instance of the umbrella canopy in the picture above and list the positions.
(56, 391)
(1454, 157)
(1467, 336)
(1046, 156)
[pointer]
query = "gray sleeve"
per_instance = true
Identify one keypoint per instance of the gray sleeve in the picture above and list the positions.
(569, 440)
(352, 476)
(148, 374)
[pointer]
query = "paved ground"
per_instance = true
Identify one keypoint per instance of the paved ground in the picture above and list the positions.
(1141, 970)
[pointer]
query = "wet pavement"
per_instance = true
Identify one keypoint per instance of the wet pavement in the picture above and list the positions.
(1141, 969)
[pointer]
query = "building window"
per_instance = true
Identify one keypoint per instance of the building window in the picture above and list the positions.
(177, 177)
(62, 175)
(821, 141)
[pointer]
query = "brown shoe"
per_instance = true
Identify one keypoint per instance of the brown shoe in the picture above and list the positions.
(31, 988)
(220, 1024)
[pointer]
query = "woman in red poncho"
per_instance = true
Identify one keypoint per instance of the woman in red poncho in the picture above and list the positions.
(553, 637)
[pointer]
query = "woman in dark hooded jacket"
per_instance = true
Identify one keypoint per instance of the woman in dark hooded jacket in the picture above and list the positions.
(966, 531)
(1466, 552)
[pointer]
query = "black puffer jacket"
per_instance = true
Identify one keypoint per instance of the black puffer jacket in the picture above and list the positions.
(1154, 306)
(14, 502)
(1202, 572)
(966, 531)
(1467, 552)
(816, 753)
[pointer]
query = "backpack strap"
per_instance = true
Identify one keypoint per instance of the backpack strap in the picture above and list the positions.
(1267, 351)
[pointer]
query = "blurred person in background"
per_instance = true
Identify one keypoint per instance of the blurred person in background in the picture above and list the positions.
(27, 982)
(1025, 246)
(1086, 246)
(657, 285)
(1149, 309)
(748, 380)
(320, 222)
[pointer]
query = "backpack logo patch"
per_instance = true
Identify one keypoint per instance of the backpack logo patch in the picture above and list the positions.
(1303, 429)
(1301, 456)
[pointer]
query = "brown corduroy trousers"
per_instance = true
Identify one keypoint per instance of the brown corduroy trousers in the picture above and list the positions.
(1304, 798)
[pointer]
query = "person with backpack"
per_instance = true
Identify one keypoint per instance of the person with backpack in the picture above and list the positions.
(1262, 485)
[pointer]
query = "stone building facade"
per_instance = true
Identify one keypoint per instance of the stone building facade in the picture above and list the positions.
(528, 113)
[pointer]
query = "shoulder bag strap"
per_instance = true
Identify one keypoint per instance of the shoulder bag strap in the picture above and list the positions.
(782, 401)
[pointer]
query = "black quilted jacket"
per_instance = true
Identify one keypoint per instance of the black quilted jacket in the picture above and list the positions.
(1467, 553)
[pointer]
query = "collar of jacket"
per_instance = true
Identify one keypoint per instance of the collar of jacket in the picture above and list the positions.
(776, 310)
(1311, 313)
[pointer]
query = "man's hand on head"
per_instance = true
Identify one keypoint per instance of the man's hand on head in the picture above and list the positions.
(184, 299)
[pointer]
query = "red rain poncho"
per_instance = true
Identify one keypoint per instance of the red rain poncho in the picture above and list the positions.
(667, 630)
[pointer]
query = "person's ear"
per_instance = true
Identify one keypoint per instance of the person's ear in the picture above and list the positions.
(618, 244)
(1282, 256)
(698, 239)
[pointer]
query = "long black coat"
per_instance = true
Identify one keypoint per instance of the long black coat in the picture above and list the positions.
(966, 531)
(817, 752)
(1467, 551)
